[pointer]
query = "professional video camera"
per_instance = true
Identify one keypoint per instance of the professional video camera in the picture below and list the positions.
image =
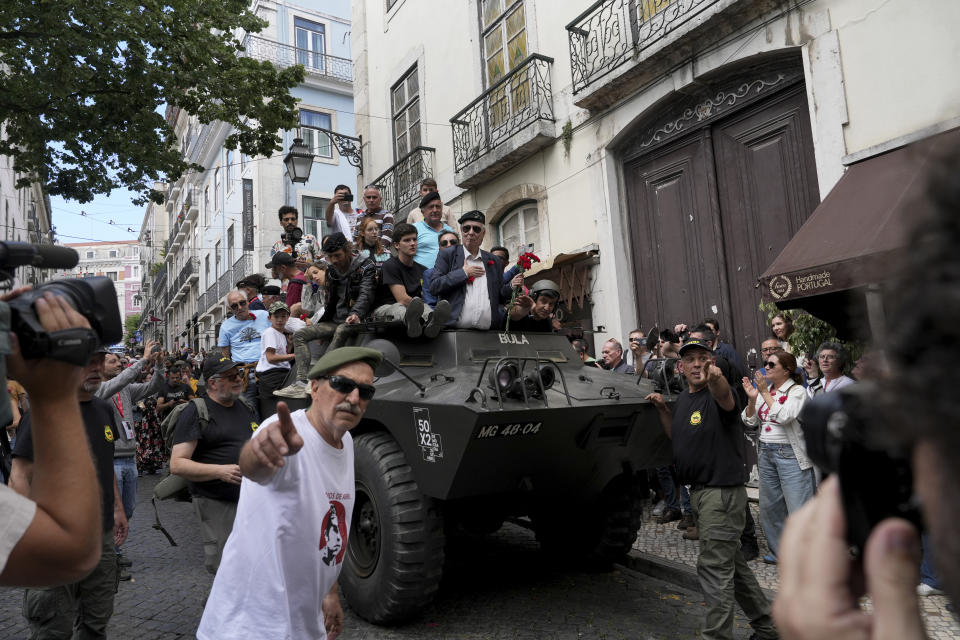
(292, 237)
(95, 298)
(666, 377)
(844, 435)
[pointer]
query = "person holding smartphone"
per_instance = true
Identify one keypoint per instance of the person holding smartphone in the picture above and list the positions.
(340, 214)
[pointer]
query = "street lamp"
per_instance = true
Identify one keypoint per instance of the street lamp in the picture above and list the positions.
(299, 161)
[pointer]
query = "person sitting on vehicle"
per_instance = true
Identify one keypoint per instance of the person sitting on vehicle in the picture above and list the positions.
(274, 361)
(447, 239)
(470, 279)
(402, 289)
(535, 311)
(352, 282)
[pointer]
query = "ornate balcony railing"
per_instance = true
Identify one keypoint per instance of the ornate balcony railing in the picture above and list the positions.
(160, 280)
(400, 184)
(191, 268)
(519, 99)
(284, 55)
(612, 32)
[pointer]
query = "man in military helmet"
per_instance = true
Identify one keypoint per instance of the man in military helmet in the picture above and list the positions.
(535, 312)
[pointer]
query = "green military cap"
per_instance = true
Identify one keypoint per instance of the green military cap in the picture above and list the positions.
(333, 360)
(278, 306)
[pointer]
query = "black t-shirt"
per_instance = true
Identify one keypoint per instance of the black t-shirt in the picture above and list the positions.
(707, 441)
(101, 428)
(175, 392)
(395, 272)
(219, 443)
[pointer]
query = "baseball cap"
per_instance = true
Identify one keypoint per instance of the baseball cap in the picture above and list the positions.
(695, 343)
(280, 259)
(278, 306)
(216, 364)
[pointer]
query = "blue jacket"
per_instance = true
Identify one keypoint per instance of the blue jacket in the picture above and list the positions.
(449, 282)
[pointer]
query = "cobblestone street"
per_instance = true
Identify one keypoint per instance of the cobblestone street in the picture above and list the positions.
(498, 586)
(495, 587)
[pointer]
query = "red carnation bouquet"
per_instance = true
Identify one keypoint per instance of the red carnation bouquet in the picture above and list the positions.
(524, 263)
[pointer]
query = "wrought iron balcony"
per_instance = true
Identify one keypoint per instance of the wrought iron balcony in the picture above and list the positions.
(191, 204)
(612, 34)
(189, 272)
(400, 184)
(160, 280)
(314, 63)
(508, 122)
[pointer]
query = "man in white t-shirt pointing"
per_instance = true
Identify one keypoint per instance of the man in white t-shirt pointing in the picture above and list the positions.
(278, 576)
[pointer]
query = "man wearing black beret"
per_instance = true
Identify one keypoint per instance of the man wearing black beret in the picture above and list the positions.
(471, 279)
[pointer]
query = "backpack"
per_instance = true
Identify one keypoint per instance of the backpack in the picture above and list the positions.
(174, 486)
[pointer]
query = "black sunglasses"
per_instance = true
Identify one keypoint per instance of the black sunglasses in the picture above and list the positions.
(449, 243)
(770, 365)
(343, 384)
(236, 375)
(237, 305)
(469, 227)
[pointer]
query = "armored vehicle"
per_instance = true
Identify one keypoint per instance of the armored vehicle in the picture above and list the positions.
(472, 428)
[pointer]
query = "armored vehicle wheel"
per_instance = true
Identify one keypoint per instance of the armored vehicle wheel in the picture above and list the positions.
(395, 549)
(599, 534)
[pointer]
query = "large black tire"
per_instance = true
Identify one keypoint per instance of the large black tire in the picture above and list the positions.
(394, 557)
(599, 533)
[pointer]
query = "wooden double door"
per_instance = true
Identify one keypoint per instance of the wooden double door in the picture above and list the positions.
(711, 210)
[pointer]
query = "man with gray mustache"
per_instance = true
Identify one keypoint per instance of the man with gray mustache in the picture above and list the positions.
(278, 577)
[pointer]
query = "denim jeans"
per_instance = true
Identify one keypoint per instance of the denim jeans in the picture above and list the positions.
(669, 486)
(784, 488)
(126, 471)
(928, 573)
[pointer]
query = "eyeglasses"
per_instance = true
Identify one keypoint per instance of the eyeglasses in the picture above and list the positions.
(343, 384)
(637, 339)
(470, 228)
(770, 365)
(233, 377)
(449, 243)
(237, 305)
(827, 356)
(769, 349)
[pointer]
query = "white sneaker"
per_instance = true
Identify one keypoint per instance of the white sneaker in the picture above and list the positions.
(923, 589)
(298, 389)
(658, 510)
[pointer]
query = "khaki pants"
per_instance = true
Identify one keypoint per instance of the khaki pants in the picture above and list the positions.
(723, 573)
(83, 608)
(216, 522)
(301, 339)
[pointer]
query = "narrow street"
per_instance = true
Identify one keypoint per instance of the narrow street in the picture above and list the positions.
(499, 586)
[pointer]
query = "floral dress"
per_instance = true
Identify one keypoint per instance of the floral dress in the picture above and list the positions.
(151, 450)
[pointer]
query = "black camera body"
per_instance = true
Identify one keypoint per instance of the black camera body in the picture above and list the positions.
(843, 435)
(666, 377)
(292, 237)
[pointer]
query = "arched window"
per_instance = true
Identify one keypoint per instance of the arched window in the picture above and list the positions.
(520, 228)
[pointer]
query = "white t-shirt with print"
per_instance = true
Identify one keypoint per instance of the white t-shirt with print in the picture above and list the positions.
(287, 546)
(272, 339)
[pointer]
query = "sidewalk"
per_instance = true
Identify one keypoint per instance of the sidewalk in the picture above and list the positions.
(662, 552)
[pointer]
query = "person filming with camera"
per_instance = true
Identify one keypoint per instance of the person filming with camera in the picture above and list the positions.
(302, 246)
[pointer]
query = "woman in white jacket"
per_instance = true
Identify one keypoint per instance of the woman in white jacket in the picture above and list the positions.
(787, 478)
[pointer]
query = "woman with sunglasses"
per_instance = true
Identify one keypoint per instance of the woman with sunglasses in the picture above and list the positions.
(447, 239)
(787, 477)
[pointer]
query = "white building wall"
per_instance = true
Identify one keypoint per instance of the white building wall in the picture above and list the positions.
(873, 71)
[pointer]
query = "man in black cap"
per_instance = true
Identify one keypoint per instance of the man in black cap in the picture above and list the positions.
(708, 453)
(429, 229)
(352, 282)
(288, 271)
(427, 185)
(294, 517)
(252, 285)
(471, 279)
(206, 450)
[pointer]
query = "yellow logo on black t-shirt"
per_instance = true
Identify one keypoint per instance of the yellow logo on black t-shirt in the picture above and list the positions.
(253, 426)
(107, 433)
(695, 418)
